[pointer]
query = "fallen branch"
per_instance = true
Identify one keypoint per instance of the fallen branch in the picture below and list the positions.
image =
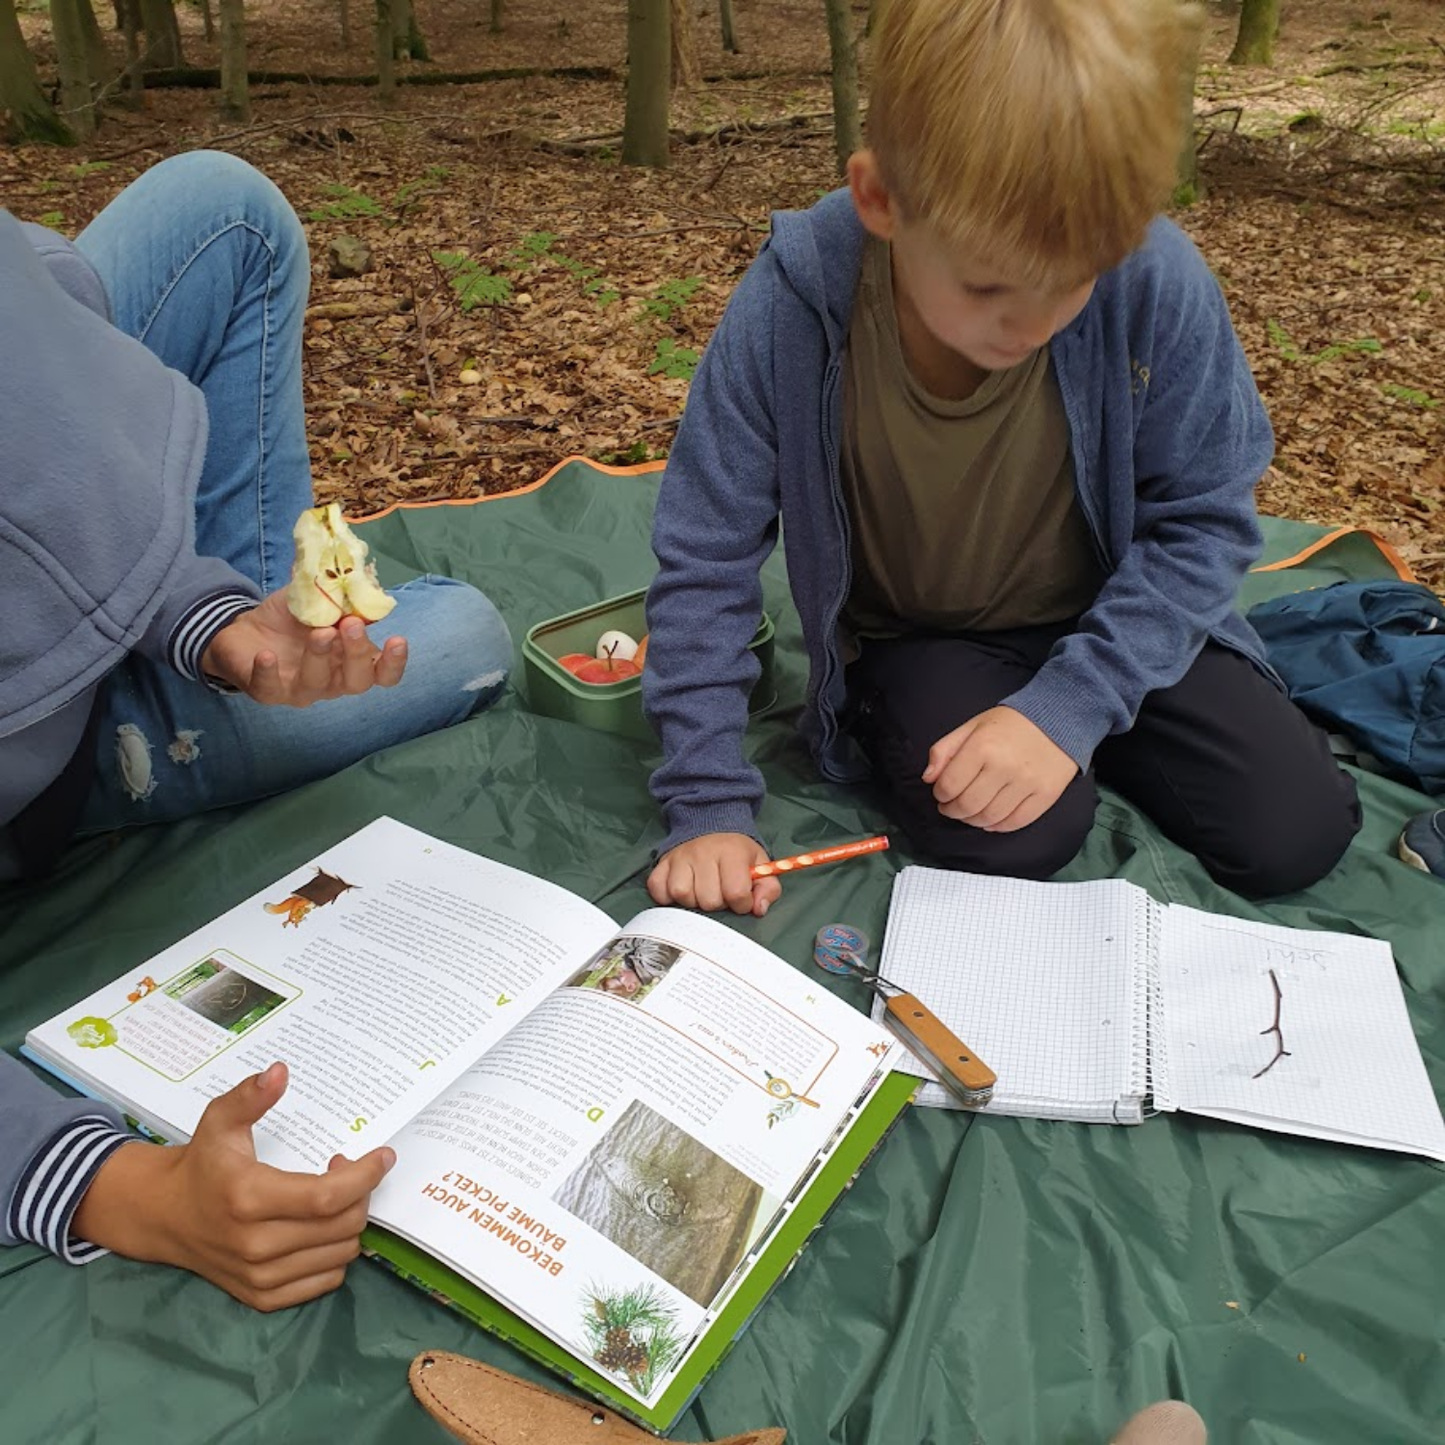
(295, 122)
(590, 145)
(203, 77)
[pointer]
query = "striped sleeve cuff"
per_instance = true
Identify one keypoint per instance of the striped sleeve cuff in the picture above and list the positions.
(192, 634)
(53, 1183)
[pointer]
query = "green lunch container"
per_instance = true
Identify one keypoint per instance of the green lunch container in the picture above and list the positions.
(611, 707)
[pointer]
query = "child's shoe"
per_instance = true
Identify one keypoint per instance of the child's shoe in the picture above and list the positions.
(1170, 1422)
(1422, 844)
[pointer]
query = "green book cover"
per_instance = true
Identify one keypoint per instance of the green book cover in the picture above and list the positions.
(778, 1251)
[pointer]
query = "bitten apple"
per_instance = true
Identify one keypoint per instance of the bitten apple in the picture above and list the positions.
(331, 577)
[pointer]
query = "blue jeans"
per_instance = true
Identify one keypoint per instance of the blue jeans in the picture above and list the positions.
(205, 262)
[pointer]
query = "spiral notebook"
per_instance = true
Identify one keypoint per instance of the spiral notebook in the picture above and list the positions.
(1094, 1002)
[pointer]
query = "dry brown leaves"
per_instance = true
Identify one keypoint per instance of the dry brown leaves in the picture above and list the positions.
(1335, 273)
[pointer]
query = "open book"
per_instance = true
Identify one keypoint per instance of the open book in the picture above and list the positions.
(1094, 1002)
(610, 1143)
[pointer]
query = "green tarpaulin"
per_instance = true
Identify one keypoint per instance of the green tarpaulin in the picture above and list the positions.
(984, 1280)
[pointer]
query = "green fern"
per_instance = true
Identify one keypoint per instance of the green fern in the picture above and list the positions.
(473, 284)
(346, 204)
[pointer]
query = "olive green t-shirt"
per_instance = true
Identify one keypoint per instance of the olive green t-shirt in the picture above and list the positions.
(963, 513)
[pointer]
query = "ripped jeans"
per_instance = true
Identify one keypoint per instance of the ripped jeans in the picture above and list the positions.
(205, 262)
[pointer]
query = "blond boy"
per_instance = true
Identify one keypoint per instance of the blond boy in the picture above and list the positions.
(998, 407)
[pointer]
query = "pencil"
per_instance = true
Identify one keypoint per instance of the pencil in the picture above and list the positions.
(835, 854)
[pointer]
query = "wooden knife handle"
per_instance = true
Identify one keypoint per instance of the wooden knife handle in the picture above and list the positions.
(958, 1067)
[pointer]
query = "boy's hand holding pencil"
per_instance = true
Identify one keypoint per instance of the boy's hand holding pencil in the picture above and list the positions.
(732, 870)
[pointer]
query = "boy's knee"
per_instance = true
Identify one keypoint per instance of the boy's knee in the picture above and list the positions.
(1289, 849)
(1037, 851)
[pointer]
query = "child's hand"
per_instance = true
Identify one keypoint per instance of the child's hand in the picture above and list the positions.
(713, 872)
(999, 771)
(267, 1236)
(275, 659)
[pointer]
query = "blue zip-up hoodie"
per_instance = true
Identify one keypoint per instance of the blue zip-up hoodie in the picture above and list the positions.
(1169, 439)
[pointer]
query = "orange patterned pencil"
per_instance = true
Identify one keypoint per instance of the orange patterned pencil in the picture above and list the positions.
(835, 854)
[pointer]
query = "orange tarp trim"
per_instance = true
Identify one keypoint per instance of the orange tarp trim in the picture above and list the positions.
(641, 469)
(1401, 566)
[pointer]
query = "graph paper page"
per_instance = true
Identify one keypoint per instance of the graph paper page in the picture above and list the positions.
(1034, 977)
(1300, 1032)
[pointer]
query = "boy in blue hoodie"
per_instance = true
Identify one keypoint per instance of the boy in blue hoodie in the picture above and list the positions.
(997, 408)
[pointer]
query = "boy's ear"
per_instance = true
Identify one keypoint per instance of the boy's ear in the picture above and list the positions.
(872, 199)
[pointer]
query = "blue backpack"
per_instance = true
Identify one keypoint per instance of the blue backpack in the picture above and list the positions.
(1367, 659)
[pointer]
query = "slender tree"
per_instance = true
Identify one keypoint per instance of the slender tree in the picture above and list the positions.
(208, 21)
(1188, 187)
(498, 9)
(407, 41)
(77, 102)
(102, 67)
(1258, 28)
(24, 110)
(163, 35)
(686, 67)
(729, 30)
(385, 55)
(129, 13)
(235, 84)
(345, 6)
(847, 129)
(649, 76)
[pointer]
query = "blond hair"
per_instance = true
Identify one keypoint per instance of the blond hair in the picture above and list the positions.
(1043, 135)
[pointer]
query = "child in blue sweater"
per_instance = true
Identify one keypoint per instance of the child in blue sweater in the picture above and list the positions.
(996, 405)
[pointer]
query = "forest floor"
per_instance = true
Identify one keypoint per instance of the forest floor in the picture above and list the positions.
(581, 290)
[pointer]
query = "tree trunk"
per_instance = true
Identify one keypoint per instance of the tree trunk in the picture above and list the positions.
(407, 41)
(30, 116)
(847, 131)
(345, 24)
(1258, 27)
(649, 72)
(208, 21)
(729, 33)
(77, 105)
(134, 65)
(102, 67)
(1187, 185)
(385, 57)
(498, 8)
(163, 35)
(686, 67)
(235, 87)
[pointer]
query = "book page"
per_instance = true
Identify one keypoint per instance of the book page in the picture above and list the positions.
(1292, 1030)
(377, 972)
(613, 1166)
(1036, 978)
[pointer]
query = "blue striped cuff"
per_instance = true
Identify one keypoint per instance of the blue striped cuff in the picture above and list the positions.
(50, 1190)
(192, 634)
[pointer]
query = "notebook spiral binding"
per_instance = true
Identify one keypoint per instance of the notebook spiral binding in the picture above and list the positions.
(1148, 1033)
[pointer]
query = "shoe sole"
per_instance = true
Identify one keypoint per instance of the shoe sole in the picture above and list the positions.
(1410, 856)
